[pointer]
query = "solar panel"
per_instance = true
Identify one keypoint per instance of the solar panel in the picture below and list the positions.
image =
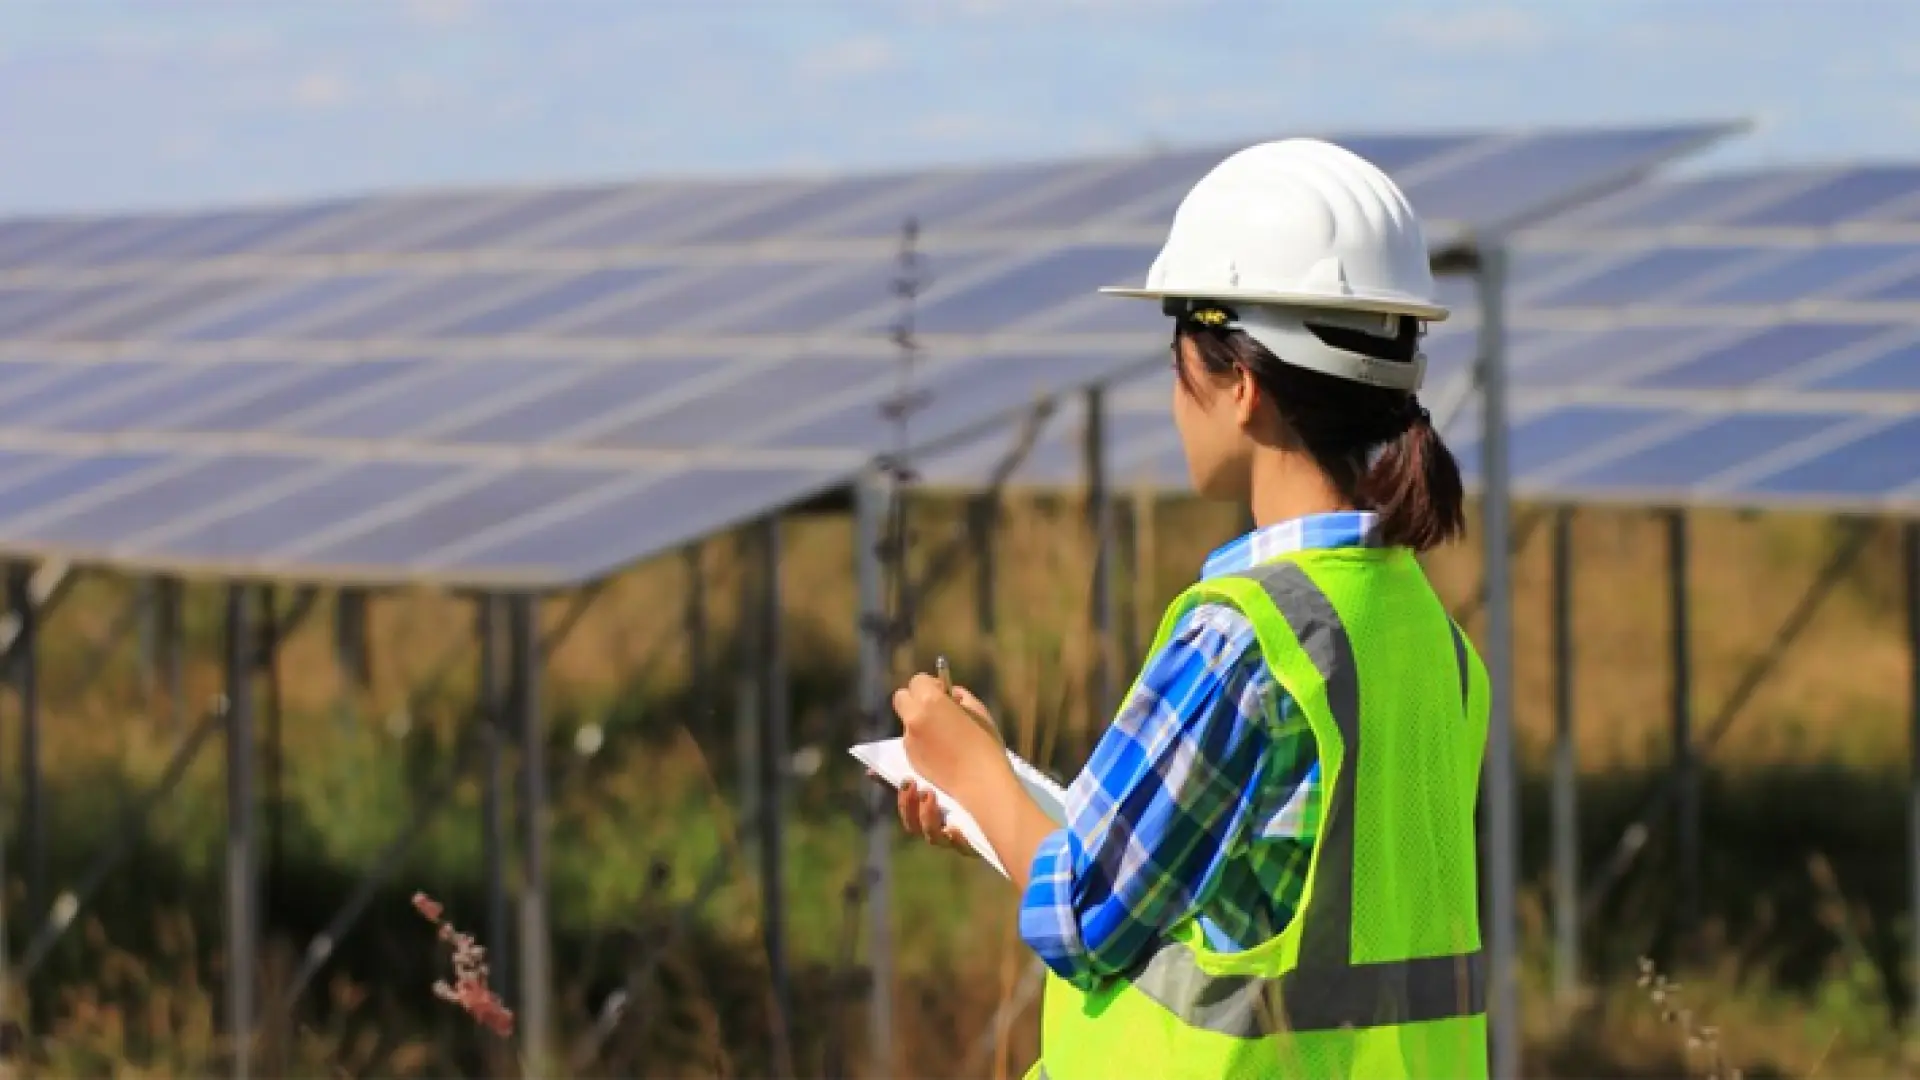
(444, 392)
(1030, 287)
(555, 411)
(1878, 463)
(415, 300)
(1764, 355)
(70, 387)
(316, 385)
(1680, 202)
(1901, 289)
(19, 240)
(1807, 273)
(659, 220)
(96, 525)
(520, 313)
(274, 304)
(30, 315)
(753, 397)
(1546, 357)
(790, 216)
(69, 480)
(177, 389)
(386, 225)
(661, 512)
(336, 493)
(402, 531)
(811, 302)
(1851, 195)
(87, 247)
(1652, 276)
(136, 310)
(498, 226)
(206, 235)
(1895, 369)
(959, 393)
(945, 200)
(688, 296)
(1702, 450)
(1105, 190)
(398, 343)
(1098, 314)
(1544, 440)
(1536, 174)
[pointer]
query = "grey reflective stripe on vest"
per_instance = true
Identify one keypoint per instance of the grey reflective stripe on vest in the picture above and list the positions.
(1325, 991)
(1460, 658)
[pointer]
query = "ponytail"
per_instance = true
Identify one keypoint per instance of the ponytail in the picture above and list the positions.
(1414, 486)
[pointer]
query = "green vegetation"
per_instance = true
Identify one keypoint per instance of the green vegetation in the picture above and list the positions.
(1800, 964)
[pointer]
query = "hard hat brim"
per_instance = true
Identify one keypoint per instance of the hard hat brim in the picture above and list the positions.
(1428, 312)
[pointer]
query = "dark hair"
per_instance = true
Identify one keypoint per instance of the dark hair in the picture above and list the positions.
(1412, 482)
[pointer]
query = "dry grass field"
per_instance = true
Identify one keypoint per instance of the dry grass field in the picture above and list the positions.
(1799, 962)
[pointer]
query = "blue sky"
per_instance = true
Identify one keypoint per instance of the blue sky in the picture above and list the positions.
(127, 103)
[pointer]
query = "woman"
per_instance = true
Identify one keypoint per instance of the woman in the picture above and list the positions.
(1269, 866)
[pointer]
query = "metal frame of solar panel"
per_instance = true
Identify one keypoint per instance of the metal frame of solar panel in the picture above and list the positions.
(528, 390)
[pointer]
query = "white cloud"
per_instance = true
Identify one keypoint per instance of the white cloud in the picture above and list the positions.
(321, 90)
(1484, 29)
(850, 58)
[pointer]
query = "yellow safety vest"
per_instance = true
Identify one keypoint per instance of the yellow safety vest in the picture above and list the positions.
(1379, 975)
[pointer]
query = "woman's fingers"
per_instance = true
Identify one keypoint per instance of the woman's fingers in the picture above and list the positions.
(933, 823)
(909, 815)
(965, 697)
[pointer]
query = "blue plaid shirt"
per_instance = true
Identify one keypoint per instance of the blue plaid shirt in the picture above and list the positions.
(1203, 797)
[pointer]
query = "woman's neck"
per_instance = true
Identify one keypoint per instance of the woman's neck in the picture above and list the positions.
(1285, 487)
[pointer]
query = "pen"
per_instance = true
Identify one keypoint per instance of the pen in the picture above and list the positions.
(945, 671)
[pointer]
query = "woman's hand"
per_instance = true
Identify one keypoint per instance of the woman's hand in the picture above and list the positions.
(949, 738)
(921, 816)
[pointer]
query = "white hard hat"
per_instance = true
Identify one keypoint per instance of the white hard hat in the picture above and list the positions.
(1301, 232)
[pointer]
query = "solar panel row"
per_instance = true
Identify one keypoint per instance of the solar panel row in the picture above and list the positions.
(1466, 179)
(1807, 198)
(1668, 449)
(387, 419)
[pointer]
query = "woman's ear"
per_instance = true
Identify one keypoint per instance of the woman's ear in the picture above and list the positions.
(1246, 396)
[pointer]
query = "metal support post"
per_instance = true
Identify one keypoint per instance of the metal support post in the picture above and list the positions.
(694, 626)
(350, 636)
(1100, 523)
(1501, 767)
(33, 827)
(496, 706)
(243, 886)
(870, 505)
(982, 516)
(747, 692)
(536, 986)
(1686, 775)
(1566, 777)
(1146, 560)
(774, 767)
(1910, 541)
(169, 618)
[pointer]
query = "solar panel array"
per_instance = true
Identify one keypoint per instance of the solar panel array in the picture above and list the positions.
(1748, 340)
(534, 388)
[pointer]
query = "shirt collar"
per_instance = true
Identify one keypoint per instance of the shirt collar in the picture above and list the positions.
(1349, 528)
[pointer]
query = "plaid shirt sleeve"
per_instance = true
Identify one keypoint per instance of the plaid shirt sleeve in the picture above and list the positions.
(1206, 758)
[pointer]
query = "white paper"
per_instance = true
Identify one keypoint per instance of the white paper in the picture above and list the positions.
(888, 759)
